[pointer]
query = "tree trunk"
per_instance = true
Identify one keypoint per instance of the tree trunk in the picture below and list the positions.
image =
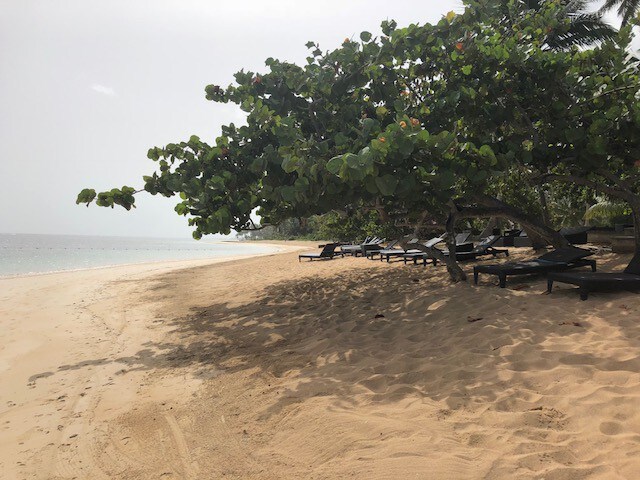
(455, 272)
(541, 234)
(543, 203)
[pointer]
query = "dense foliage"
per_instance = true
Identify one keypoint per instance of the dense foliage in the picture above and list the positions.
(425, 125)
(355, 225)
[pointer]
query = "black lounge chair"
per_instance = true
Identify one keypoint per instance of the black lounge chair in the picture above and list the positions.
(522, 240)
(389, 251)
(561, 259)
(327, 253)
(485, 247)
(373, 250)
(508, 237)
(370, 243)
(629, 279)
(462, 238)
(350, 247)
(575, 235)
(416, 254)
(462, 245)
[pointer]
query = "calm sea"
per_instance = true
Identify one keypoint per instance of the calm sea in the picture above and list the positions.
(22, 254)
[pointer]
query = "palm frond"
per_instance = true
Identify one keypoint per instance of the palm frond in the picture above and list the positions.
(610, 5)
(627, 9)
(585, 29)
(606, 210)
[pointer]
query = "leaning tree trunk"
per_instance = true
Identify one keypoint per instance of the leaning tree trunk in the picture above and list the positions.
(541, 235)
(455, 272)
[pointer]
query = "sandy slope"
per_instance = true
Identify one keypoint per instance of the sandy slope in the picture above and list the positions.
(266, 369)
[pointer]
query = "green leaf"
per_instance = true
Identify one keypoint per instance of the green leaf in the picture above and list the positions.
(365, 36)
(381, 111)
(352, 160)
(574, 135)
(467, 69)
(387, 184)
(446, 178)
(335, 164)
(423, 137)
(288, 193)
(405, 146)
(370, 185)
(486, 152)
(340, 139)
(368, 124)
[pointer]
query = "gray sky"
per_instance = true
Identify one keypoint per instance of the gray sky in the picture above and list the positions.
(86, 87)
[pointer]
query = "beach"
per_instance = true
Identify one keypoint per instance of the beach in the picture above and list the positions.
(267, 368)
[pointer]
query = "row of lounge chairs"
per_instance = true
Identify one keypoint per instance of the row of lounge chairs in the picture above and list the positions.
(554, 264)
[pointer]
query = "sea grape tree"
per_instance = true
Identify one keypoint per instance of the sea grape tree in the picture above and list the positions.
(417, 124)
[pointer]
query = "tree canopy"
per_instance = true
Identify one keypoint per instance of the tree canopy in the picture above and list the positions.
(421, 124)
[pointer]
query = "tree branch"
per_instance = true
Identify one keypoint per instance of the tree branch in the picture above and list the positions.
(598, 187)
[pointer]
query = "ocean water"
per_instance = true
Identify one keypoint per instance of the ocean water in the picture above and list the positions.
(23, 254)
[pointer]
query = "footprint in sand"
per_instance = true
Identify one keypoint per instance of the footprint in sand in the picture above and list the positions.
(610, 428)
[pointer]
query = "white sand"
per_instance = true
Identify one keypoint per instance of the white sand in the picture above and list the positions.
(266, 368)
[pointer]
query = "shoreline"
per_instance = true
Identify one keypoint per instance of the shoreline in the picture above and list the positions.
(187, 262)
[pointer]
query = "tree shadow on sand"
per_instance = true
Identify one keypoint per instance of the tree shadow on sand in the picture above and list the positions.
(383, 335)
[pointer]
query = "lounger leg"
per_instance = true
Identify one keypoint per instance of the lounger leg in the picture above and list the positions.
(584, 293)
(549, 285)
(503, 280)
(475, 277)
(593, 267)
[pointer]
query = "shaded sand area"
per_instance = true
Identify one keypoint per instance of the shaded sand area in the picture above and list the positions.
(267, 368)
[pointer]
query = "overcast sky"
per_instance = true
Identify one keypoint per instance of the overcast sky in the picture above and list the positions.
(86, 87)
